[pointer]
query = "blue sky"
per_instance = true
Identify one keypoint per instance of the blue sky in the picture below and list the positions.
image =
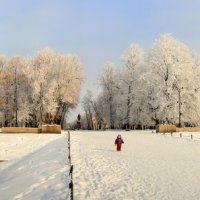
(96, 30)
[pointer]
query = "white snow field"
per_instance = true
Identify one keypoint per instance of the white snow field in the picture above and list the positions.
(149, 167)
(35, 168)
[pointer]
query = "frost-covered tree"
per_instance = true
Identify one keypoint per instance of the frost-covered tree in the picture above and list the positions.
(67, 84)
(133, 60)
(87, 106)
(94, 108)
(29, 112)
(6, 77)
(170, 80)
(2, 74)
(163, 89)
(109, 83)
(15, 65)
(12, 85)
(40, 89)
(43, 65)
(99, 110)
(57, 80)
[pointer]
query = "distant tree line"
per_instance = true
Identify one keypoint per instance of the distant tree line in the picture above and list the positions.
(161, 86)
(39, 89)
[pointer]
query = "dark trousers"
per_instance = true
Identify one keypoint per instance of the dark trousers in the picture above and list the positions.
(119, 147)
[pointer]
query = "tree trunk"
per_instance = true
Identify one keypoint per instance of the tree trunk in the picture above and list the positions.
(15, 99)
(128, 108)
(64, 109)
(111, 113)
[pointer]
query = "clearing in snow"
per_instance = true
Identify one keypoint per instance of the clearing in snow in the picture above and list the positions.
(149, 167)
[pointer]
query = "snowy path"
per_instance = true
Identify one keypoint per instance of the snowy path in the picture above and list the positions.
(150, 167)
(37, 167)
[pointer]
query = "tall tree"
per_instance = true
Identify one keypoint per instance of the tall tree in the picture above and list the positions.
(133, 60)
(40, 89)
(171, 65)
(108, 81)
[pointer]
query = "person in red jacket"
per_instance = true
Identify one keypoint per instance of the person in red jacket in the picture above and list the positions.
(119, 141)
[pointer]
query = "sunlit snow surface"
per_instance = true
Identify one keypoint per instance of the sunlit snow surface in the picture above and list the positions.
(36, 167)
(150, 166)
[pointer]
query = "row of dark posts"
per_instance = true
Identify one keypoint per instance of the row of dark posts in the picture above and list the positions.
(71, 185)
(191, 136)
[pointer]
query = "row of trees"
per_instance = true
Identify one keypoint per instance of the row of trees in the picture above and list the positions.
(38, 90)
(161, 86)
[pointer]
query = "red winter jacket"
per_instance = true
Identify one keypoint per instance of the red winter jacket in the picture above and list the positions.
(119, 141)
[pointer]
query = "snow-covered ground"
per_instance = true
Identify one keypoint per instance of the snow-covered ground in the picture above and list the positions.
(35, 167)
(185, 135)
(149, 167)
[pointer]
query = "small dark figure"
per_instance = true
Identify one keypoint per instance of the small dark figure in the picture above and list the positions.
(119, 141)
(78, 123)
(79, 118)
